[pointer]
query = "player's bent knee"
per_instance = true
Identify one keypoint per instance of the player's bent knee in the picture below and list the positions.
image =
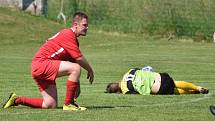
(76, 69)
(49, 104)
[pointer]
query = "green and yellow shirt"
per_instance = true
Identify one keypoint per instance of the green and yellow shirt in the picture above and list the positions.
(140, 81)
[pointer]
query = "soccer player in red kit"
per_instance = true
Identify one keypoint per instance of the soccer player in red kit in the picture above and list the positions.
(59, 56)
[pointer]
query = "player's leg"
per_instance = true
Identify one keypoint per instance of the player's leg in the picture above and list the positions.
(73, 70)
(190, 86)
(179, 91)
(48, 100)
(44, 74)
(48, 88)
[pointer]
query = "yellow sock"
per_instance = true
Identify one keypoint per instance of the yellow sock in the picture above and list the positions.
(186, 85)
(179, 91)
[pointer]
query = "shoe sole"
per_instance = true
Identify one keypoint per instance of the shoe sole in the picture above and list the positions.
(7, 101)
(76, 109)
(82, 108)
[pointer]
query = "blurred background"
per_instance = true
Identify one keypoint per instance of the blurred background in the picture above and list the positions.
(164, 18)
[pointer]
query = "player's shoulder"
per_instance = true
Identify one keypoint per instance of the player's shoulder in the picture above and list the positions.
(67, 30)
(68, 33)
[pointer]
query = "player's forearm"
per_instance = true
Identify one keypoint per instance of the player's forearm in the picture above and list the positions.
(84, 63)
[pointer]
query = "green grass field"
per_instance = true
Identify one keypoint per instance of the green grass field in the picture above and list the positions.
(172, 18)
(111, 55)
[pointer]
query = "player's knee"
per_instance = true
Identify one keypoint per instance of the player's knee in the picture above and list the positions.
(76, 70)
(50, 104)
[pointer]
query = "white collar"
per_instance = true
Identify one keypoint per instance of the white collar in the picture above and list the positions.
(72, 29)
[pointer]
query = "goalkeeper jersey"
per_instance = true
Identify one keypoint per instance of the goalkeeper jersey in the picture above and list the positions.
(136, 80)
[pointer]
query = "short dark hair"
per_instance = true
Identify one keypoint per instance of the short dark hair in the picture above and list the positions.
(78, 16)
(112, 88)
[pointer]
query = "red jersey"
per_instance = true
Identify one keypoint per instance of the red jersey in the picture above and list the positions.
(62, 46)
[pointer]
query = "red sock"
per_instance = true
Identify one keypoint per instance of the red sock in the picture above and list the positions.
(31, 102)
(70, 91)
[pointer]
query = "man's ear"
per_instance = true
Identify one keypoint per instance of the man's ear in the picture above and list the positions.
(75, 24)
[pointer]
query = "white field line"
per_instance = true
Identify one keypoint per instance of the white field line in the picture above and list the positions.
(150, 105)
(180, 102)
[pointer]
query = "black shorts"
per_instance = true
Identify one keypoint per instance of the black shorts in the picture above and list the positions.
(167, 85)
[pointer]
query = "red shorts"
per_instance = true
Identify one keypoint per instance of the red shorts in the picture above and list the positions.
(45, 72)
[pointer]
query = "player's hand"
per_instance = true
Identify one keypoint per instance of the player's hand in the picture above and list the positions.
(90, 76)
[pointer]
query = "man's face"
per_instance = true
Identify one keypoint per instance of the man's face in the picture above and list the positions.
(81, 27)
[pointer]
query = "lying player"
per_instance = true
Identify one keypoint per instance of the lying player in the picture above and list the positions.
(146, 82)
